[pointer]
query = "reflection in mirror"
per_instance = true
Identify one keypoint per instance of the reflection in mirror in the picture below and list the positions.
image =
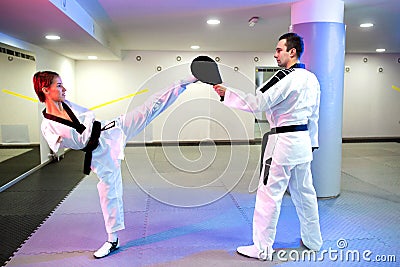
(19, 132)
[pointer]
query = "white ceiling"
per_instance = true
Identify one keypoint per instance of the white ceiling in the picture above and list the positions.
(175, 25)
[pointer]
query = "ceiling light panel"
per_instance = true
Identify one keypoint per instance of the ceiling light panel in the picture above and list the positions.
(53, 37)
(213, 21)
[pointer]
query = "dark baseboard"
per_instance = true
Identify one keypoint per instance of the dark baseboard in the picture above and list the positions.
(370, 139)
(196, 143)
(18, 146)
(257, 141)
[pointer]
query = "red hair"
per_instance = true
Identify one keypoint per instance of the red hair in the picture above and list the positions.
(43, 79)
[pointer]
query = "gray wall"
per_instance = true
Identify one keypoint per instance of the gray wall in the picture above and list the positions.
(371, 101)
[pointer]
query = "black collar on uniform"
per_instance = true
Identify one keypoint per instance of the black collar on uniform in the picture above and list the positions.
(280, 74)
(75, 123)
(298, 65)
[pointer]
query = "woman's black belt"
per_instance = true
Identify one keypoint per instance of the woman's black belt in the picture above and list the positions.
(93, 143)
(289, 128)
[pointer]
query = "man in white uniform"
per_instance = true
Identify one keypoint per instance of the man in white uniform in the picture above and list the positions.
(290, 100)
(68, 125)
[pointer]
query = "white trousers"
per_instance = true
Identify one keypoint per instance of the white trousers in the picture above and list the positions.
(268, 205)
(110, 193)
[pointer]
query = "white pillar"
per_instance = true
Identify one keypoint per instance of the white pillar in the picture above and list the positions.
(320, 23)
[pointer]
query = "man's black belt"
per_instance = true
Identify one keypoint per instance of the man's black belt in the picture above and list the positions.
(93, 143)
(289, 128)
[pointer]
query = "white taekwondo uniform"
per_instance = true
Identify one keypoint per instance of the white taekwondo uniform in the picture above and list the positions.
(106, 158)
(290, 99)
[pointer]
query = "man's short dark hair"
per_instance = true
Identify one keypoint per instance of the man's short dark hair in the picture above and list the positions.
(293, 40)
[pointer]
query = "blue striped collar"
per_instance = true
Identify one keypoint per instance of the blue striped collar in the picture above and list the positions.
(298, 65)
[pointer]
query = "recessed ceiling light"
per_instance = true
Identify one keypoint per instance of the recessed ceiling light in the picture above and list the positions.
(213, 21)
(380, 50)
(92, 57)
(53, 37)
(195, 47)
(366, 25)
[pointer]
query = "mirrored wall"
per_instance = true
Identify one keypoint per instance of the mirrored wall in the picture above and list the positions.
(19, 127)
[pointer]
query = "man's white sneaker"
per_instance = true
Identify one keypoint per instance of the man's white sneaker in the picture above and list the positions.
(253, 252)
(106, 249)
(307, 247)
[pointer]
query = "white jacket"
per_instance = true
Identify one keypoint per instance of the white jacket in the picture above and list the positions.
(290, 97)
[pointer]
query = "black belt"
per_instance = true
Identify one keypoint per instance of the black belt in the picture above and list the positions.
(93, 143)
(289, 128)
